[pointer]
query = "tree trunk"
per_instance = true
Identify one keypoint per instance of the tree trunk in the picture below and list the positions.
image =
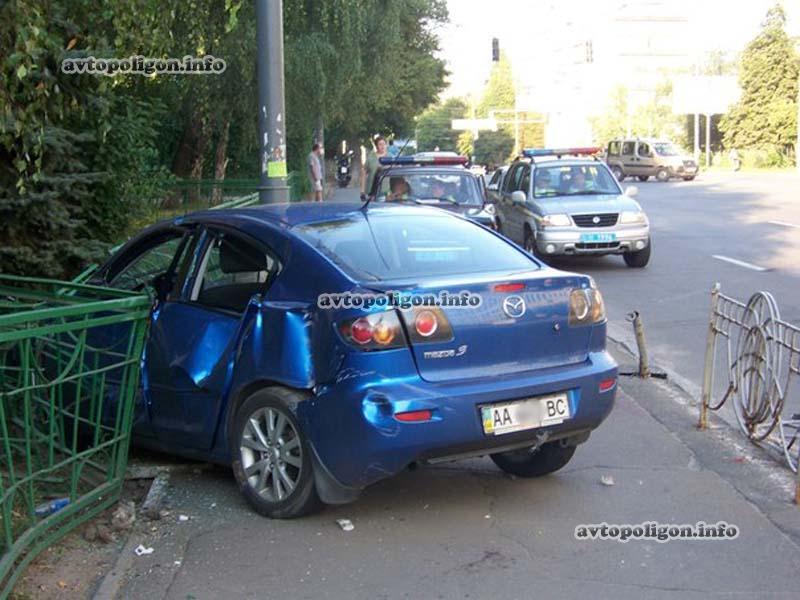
(221, 161)
(188, 161)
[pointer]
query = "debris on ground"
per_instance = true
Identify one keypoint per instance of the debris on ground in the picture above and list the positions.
(183, 518)
(141, 550)
(345, 524)
(124, 516)
(607, 480)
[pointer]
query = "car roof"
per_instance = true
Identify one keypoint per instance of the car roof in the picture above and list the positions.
(567, 162)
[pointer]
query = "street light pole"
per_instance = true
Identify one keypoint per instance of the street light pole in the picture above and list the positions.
(271, 113)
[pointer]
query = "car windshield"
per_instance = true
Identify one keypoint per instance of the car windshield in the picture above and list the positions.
(430, 187)
(666, 150)
(573, 180)
(378, 247)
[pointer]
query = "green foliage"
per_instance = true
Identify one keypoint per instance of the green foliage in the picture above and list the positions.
(493, 148)
(653, 119)
(83, 158)
(434, 126)
(766, 115)
(499, 92)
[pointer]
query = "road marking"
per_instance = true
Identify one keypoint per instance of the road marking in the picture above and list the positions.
(784, 224)
(740, 263)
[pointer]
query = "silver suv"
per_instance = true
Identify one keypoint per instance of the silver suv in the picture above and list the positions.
(571, 206)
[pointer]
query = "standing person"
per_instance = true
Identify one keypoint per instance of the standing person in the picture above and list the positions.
(370, 168)
(737, 162)
(315, 171)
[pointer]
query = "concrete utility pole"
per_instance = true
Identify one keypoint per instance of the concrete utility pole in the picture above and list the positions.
(272, 186)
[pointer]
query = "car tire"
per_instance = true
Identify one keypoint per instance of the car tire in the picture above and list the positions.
(662, 175)
(644, 178)
(639, 260)
(529, 244)
(534, 462)
(618, 173)
(266, 433)
(689, 178)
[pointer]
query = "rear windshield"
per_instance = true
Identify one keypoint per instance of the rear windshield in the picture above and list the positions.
(383, 247)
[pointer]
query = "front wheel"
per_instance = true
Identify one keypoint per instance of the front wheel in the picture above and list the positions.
(662, 175)
(638, 260)
(534, 462)
(529, 245)
(271, 456)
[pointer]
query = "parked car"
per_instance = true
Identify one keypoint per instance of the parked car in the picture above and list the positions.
(557, 202)
(435, 179)
(645, 158)
(244, 366)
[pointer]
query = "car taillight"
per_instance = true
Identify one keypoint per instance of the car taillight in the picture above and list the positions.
(586, 307)
(378, 331)
(426, 325)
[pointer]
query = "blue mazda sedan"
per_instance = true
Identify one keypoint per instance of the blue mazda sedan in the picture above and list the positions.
(319, 348)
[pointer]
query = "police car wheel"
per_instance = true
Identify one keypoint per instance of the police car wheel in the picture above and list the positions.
(534, 462)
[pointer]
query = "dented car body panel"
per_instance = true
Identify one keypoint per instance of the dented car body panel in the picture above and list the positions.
(210, 346)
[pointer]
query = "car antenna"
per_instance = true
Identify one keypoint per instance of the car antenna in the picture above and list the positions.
(391, 166)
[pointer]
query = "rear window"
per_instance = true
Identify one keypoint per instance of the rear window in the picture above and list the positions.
(383, 247)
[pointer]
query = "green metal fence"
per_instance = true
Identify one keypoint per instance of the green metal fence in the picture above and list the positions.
(69, 366)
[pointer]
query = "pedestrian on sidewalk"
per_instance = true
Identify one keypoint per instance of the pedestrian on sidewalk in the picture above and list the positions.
(370, 167)
(315, 172)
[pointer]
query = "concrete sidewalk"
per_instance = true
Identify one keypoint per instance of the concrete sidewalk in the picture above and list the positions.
(465, 530)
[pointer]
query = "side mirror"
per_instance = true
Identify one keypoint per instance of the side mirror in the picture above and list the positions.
(518, 197)
(631, 191)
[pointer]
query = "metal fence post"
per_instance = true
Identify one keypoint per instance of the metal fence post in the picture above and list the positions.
(708, 366)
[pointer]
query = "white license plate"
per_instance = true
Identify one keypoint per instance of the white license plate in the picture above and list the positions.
(598, 237)
(525, 414)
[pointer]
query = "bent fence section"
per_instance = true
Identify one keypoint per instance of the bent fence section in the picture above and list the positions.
(762, 365)
(70, 356)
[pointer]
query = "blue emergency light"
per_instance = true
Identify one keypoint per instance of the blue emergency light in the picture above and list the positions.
(534, 152)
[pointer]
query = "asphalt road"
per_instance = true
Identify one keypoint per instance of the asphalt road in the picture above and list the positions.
(699, 229)
(465, 530)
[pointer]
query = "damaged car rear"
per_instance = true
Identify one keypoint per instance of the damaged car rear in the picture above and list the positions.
(318, 349)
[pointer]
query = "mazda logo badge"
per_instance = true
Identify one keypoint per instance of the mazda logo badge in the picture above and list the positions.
(595, 219)
(514, 306)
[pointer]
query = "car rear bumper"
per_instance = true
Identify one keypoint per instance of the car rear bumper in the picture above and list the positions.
(358, 441)
(569, 241)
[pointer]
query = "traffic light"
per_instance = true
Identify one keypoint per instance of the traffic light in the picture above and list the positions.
(495, 50)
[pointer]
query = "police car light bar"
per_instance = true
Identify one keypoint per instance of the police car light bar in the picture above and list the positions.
(534, 152)
(423, 160)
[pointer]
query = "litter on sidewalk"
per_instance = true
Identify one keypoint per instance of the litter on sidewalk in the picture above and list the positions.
(345, 524)
(142, 550)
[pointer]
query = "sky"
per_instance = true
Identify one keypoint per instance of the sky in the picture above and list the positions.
(537, 33)
(634, 43)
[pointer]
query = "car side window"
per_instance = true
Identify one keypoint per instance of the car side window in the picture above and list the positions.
(231, 272)
(613, 148)
(525, 180)
(513, 179)
(644, 149)
(627, 148)
(146, 266)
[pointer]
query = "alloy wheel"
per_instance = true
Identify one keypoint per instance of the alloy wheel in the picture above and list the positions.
(271, 453)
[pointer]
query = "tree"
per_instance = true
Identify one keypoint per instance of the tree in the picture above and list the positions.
(434, 126)
(766, 115)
